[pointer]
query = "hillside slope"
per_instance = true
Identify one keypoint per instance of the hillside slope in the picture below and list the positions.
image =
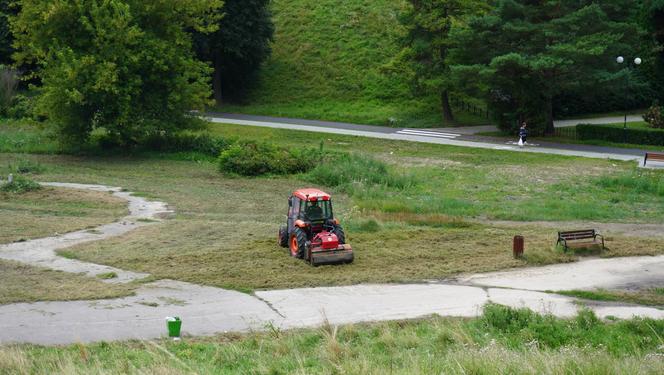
(328, 63)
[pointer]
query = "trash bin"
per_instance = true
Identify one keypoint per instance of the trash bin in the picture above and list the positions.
(517, 247)
(174, 324)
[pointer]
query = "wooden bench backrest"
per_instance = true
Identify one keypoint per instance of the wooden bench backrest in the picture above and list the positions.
(654, 156)
(577, 234)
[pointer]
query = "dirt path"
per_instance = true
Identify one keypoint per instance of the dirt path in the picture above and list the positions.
(208, 310)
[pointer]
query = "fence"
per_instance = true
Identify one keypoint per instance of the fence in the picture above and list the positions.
(566, 132)
(471, 108)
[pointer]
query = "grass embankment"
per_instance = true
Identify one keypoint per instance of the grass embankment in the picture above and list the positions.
(502, 341)
(329, 62)
(431, 221)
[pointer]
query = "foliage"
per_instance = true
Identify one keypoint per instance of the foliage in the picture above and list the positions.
(122, 65)
(19, 185)
(654, 117)
(238, 48)
(255, 159)
(8, 85)
(616, 134)
(528, 52)
(186, 142)
(6, 38)
(426, 46)
(25, 166)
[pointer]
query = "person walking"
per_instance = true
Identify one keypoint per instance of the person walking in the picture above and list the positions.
(523, 134)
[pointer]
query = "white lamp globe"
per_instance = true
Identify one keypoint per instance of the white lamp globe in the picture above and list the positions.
(620, 59)
(637, 61)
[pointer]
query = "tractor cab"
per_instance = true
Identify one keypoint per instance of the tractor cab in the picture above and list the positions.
(311, 231)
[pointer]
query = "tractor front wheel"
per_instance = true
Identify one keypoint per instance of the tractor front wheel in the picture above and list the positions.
(298, 242)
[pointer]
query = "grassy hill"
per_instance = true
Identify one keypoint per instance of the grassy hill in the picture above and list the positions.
(329, 60)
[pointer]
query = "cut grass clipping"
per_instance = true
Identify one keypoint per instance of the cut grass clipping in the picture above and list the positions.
(501, 341)
(23, 283)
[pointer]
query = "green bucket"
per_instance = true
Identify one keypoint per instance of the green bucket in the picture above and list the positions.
(174, 324)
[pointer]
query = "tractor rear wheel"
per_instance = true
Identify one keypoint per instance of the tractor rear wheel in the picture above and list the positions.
(339, 232)
(298, 242)
(283, 236)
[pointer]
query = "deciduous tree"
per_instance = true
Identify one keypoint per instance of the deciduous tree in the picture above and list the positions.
(126, 66)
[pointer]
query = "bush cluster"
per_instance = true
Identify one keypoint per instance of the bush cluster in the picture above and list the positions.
(19, 185)
(186, 142)
(654, 117)
(255, 159)
(620, 135)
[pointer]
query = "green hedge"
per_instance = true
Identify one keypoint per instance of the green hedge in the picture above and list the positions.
(619, 135)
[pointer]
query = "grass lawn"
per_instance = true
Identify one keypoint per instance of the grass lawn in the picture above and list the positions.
(502, 341)
(224, 230)
(23, 283)
(49, 210)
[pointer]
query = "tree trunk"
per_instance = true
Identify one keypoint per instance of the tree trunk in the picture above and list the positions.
(549, 129)
(216, 79)
(448, 116)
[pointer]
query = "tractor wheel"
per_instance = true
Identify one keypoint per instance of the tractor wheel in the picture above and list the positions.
(339, 232)
(298, 242)
(283, 237)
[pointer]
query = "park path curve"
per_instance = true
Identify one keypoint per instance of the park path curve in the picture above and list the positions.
(209, 310)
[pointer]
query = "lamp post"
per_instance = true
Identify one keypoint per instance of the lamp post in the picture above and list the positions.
(637, 62)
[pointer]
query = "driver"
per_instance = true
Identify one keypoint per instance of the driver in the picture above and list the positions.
(314, 211)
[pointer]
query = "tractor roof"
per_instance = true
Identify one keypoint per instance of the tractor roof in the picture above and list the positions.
(312, 194)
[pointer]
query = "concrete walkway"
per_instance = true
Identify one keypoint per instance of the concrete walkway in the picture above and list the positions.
(208, 310)
(462, 137)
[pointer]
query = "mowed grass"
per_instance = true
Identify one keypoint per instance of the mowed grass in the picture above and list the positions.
(23, 283)
(501, 341)
(432, 221)
(49, 211)
(645, 296)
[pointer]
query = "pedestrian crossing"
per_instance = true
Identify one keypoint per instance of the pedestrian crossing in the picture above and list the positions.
(428, 133)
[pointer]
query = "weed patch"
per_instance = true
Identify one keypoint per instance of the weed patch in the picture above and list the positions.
(255, 159)
(19, 185)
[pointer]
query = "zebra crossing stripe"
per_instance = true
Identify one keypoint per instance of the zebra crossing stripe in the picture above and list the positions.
(425, 133)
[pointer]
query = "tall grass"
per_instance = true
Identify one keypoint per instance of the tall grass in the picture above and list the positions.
(634, 182)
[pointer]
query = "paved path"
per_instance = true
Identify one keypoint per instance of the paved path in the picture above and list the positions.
(447, 136)
(209, 310)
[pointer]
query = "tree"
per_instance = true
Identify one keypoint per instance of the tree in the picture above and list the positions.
(526, 52)
(426, 46)
(126, 66)
(654, 22)
(237, 49)
(6, 39)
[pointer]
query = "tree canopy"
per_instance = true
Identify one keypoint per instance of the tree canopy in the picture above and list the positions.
(125, 66)
(526, 52)
(239, 46)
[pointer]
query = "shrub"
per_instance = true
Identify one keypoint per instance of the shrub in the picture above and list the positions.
(185, 142)
(654, 117)
(620, 135)
(23, 106)
(255, 159)
(19, 185)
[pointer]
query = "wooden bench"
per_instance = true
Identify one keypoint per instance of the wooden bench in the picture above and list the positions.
(579, 238)
(656, 156)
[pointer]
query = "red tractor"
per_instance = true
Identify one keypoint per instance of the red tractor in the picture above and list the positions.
(312, 233)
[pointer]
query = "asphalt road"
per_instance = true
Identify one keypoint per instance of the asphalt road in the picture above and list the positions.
(463, 137)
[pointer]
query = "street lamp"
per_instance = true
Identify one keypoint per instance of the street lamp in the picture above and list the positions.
(637, 62)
